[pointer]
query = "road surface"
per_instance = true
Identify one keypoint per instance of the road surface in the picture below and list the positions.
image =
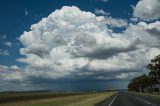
(130, 99)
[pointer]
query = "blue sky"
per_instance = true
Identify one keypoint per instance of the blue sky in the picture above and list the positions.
(126, 30)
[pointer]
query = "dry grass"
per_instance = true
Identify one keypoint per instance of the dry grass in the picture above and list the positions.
(72, 100)
(156, 95)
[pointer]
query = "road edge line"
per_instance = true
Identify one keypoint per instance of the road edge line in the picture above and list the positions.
(146, 101)
(112, 100)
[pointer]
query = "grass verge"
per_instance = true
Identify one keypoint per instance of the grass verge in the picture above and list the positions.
(147, 94)
(90, 99)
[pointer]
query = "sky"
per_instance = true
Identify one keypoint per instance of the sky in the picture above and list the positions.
(76, 45)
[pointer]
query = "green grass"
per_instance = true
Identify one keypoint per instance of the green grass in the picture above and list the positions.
(87, 99)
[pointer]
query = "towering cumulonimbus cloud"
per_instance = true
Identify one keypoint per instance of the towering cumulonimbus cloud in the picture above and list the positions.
(68, 38)
(76, 44)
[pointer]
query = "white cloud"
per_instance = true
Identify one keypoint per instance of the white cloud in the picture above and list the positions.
(142, 32)
(125, 61)
(9, 44)
(14, 67)
(12, 73)
(115, 22)
(3, 68)
(147, 10)
(126, 75)
(74, 43)
(4, 52)
(133, 19)
(65, 39)
(101, 12)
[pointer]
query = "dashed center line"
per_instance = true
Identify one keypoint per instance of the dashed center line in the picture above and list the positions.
(112, 100)
(146, 101)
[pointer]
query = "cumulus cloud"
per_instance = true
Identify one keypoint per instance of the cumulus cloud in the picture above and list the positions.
(142, 32)
(126, 75)
(115, 22)
(14, 67)
(67, 39)
(11, 73)
(147, 10)
(75, 44)
(4, 52)
(70, 41)
(101, 12)
(154, 29)
(133, 19)
(70, 37)
(9, 44)
(3, 68)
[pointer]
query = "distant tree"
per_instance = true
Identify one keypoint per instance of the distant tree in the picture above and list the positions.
(140, 84)
(154, 66)
(148, 83)
(152, 75)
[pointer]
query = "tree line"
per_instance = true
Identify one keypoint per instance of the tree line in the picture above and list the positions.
(148, 83)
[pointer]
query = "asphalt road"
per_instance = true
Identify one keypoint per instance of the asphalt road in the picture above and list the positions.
(130, 99)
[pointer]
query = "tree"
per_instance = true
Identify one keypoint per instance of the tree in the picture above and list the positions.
(154, 66)
(152, 75)
(148, 83)
(140, 84)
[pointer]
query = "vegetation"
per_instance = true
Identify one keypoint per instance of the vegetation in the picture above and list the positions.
(68, 99)
(154, 95)
(15, 97)
(148, 83)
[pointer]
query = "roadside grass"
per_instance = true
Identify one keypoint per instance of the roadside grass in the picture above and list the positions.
(156, 95)
(88, 99)
(15, 97)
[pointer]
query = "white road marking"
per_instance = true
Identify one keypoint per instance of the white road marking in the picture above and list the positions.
(146, 101)
(112, 100)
